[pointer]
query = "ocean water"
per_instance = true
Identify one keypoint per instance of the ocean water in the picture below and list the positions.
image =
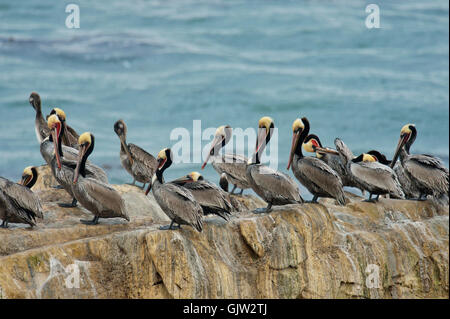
(159, 65)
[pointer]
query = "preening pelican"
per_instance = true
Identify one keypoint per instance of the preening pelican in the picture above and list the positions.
(370, 175)
(211, 198)
(99, 198)
(319, 178)
(18, 204)
(136, 161)
(176, 201)
(234, 166)
(273, 186)
(312, 144)
(427, 173)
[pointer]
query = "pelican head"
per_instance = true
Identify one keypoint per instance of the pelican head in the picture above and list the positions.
(266, 128)
(364, 158)
(86, 146)
(189, 178)
(29, 176)
(54, 124)
(164, 160)
(35, 101)
(300, 128)
(311, 143)
(120, 128)
(60, 113)
(408, 134)
(221, 138)
(379, 157)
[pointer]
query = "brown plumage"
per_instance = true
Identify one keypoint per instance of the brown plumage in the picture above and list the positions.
(136, 161)
(99, 198)
(177, 202)
(40, 124)
(18, 204)
(211, 198)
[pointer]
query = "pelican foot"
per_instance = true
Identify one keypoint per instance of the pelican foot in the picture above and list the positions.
(71, 205)
(57, 187)
(370, 200)
(90, 222)
(4, 224)
(242, 190)
(261, 210)
(170, 227)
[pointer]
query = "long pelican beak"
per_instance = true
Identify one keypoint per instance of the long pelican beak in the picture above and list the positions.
(25, 180)
(150, 185)
(401, 142)
(55, 134)
(295, 139)
(81, 153)
(215, 146)
(183, 180)
(124, 145)
(326, 150)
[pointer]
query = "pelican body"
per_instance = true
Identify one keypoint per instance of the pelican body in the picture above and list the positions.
(274, 187)
(370, 175)
(177, 202)
(40, 124)
(234, 166)
(18, 204)
(136, 161)
(427, 173)
(211, 198)
(99, 198)
(319, 178)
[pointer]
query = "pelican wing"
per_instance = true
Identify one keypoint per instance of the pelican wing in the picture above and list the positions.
(378, 175)
(320, 174)
(103, 196)
(142, 160)
(208, 194)
(275, 182)
(181, 203)
(429, 170)
(26, 204)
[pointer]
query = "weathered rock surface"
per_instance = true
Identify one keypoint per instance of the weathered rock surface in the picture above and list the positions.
(393, 249)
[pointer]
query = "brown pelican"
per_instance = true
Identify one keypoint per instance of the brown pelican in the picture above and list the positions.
(40, 124)
(176, 201)
(18, 204)
(427, 173)
(275, 187)
(137, 162)
(405, 181)
(319, 178)
(69, 136)
(211, 198)
(312, 144)
(62, 164)
(99, 198)
(234, 166)
(223, 182)
(370, 175)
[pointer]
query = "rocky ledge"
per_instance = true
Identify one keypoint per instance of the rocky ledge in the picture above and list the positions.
(392, 249)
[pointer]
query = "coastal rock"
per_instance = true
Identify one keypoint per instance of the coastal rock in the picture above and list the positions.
(392, 249)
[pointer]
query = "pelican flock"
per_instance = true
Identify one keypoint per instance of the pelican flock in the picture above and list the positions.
(188, 199)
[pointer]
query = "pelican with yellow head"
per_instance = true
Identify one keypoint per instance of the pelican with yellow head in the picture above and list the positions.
(69, 135)
(231, 167)
(274, 187)
(176, 201)
(319, 178)
(102, 200)
(426, 173)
